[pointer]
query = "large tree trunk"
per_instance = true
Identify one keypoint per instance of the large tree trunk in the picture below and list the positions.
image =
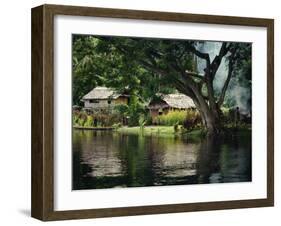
(210, 117)
(209, 113)
(213, 124)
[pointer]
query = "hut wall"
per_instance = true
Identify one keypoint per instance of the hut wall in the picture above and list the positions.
(166, 111)
(105, 103)
(154, 114)
(120, 100)
(98, 104)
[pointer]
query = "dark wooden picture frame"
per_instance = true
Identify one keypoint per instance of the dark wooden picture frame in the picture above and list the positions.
(43, 112)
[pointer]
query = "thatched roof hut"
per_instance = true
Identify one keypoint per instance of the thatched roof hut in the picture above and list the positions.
(103, 98)
(174, 101)
(101, 93)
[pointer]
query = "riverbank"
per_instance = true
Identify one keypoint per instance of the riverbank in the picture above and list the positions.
(169, 131)
(160, 131)
(93, 128)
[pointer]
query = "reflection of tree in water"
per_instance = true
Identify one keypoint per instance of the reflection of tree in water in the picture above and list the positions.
(236, 164)
(178, 161)
(105, 160)
(96, 164)
(208, 159)
(136, 160)
(224, 160)
(157, 161)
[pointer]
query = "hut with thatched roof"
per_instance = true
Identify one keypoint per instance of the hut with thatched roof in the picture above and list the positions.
(103, 98)
(169, 102)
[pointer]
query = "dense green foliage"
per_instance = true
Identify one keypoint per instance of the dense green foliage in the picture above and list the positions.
(99, 61)
(132, 112)
(172, 118)
(145, 67)
(96, 119)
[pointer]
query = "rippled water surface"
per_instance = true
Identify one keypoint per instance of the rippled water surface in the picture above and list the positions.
(105, 159)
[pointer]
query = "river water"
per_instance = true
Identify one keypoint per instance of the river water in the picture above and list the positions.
(106, 159)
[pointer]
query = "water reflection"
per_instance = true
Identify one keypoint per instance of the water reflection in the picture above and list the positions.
(109, 159)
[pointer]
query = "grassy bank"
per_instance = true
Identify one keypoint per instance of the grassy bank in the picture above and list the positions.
(160, 131)
(169, 131)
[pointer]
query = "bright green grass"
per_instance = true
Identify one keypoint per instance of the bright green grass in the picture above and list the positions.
(168, 131)
(148, 129)
(160, 131)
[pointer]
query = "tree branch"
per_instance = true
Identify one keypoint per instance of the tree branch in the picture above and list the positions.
(217, 60)
(226, 83)
(197, 52)
(195, 75)
(182, 88)
(152, 67)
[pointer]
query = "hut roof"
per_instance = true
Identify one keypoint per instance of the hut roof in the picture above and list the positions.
(100, 93)
(178, 100)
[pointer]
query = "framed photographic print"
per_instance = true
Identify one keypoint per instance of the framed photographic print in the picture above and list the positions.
(141, 112)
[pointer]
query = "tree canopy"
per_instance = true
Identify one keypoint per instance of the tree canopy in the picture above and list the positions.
(147, 66)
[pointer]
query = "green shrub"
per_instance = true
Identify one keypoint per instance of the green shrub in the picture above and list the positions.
(172, 118)
(95, 119)
(133, 112)
(75, 119)
(117, 125)
(192, 120)
(81, 118)
(105, 120)
(89, 121)
(176, 127)
(142, 121)
(189, 119)
(148, 119)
